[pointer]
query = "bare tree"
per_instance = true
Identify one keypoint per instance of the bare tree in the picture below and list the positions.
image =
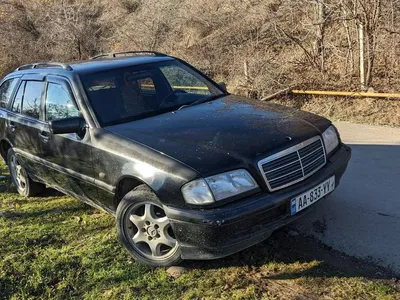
(370, 17)
(313, 43)
(319, 47)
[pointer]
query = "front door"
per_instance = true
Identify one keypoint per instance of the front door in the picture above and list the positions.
(68, 155)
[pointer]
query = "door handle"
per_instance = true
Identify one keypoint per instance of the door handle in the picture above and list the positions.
(44, 136)
(12, 125)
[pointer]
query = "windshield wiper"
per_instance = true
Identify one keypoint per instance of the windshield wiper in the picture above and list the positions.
(201, 100)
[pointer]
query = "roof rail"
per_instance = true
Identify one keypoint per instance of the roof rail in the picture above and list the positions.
(114, 54)
(43, 65)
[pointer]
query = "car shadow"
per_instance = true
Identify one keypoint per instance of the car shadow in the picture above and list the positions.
(6, 185)
(283, 248)
(17, 215)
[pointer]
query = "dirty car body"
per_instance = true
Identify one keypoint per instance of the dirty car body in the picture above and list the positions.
(227, 170)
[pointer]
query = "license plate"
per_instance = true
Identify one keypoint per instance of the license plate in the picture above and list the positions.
(311, 196)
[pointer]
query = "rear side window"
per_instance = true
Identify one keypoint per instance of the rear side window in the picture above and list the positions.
(32, 98)
(147, 84)
(17, 105)
(59, 103)
(6, 90)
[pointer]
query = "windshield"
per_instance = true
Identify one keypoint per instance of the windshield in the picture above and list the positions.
(132, 93)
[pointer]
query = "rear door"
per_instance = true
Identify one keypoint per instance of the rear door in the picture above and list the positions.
(23, 125)
(7, 89)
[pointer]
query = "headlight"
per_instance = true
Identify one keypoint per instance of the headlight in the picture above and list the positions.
(331, 139)
(197, 192)
(218, 187)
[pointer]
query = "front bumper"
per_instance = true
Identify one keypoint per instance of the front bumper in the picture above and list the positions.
(221, 231)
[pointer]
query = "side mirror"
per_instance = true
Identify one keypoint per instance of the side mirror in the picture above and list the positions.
(67, 125)
(222, 85)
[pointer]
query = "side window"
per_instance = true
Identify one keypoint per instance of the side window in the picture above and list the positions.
(17, 105)
(32, 98)
(6, 90)
(147, 84)
(59, 103)
(180, 79)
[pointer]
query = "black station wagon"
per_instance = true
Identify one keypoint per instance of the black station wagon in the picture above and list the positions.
(189, 171)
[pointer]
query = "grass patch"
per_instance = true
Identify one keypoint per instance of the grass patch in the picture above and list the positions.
(56, 247)
(374, 111)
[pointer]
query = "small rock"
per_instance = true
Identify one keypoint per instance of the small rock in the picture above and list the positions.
(176, 272)
(293, 233)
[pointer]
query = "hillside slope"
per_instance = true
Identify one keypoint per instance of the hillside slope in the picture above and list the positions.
(256, 46)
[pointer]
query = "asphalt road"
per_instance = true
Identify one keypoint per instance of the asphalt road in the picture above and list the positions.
(362, 217)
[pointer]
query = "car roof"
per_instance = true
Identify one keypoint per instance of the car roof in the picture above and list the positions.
(94, 65)
(104, 64)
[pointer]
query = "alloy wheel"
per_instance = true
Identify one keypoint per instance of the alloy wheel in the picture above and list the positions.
(149, 231)
(18, 173)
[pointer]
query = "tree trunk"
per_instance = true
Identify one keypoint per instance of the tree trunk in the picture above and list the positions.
(319, 46)
(350, 55)
(361, 56)
(371, 20)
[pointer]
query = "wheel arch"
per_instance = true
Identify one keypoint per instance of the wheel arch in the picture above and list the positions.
(5, 145)
(125, 185)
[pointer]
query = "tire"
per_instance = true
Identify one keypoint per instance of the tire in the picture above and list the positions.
(144, 229)
(26, 187)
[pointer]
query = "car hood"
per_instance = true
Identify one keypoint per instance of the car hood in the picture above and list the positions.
(224, 134)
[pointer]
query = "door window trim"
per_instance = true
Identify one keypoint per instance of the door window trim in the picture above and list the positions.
(55, 79)
(64, 83)
(14, 92)
(20, 114)
(41, 99)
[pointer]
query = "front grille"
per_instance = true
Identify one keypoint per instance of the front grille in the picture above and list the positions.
(294, 164)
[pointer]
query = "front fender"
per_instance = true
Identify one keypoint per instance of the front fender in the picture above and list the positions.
(116, 158)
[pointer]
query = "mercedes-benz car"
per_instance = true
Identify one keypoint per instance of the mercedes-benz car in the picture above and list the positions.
(189, 170)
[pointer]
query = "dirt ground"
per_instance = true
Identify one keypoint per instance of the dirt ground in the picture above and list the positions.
(377, 111)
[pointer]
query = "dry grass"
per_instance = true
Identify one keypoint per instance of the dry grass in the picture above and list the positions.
(360, 110)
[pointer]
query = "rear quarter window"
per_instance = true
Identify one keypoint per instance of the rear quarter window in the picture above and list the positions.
(6, 90)
(17, 105)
